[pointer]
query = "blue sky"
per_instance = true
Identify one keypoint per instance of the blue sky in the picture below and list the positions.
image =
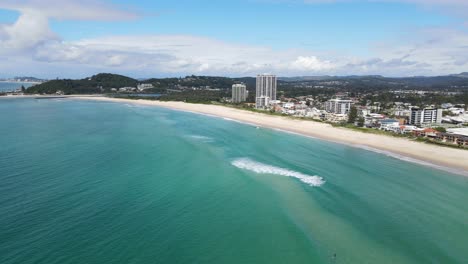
(69, 38)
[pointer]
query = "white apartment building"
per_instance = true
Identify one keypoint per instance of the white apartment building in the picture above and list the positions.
(426, 116)
(265, 90)
(144, 86)
(262, 101)
(338, 106)
(239, 93)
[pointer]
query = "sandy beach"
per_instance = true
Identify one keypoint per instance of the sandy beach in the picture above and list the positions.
(455, 160)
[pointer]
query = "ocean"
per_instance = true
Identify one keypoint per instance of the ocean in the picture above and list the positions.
(13, 86)
(101, 182)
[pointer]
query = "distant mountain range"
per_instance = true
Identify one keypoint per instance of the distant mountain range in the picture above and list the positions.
(457, 81)
(329, 77)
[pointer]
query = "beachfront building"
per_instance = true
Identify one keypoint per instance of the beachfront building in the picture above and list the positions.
(336, 118)
(239, 93)
(457, 139)
(262, 102)
(265, 90)
(425, 116)
(338, 106)
(144, 86)
(389, 124)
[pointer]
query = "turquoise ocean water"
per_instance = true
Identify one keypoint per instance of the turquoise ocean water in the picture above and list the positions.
(95, 182)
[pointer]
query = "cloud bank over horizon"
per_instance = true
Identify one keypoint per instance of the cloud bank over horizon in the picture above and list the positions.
(30, 46)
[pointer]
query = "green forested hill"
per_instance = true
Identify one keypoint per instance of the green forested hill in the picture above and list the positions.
(99, 83)
(297, 86)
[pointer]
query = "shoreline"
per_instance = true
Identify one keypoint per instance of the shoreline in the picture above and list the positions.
(448, 159)
(442, 158)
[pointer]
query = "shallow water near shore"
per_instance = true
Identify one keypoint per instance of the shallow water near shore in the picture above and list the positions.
(97, 182)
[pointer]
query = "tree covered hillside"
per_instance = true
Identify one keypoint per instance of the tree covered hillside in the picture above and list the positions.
(100, 83)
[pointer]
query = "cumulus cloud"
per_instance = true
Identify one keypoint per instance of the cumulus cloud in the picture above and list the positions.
(31, 44)
(430, 52)
(179, 53)
(30, 30)
(32, 27)
(312, 63)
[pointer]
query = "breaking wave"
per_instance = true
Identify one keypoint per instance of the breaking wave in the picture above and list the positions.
(258, 167)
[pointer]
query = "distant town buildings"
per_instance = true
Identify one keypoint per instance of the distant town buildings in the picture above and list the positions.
(427, 116)
(265, 90)
(127, 89)
(239, 93)
(144, 86)
(338, 106)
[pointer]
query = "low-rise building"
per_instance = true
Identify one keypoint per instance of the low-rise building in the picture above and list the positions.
(389, 124)
(426, 132)
(407, 129)
(336, 118)
(363, 111)
(455, 139)
(144, 86)
(127, 89)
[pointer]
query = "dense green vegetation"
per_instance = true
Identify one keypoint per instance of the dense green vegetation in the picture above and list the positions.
(103, 82)
(192, 81)
(198, 96)
(100, 83)
(353, 115)
(419, 100)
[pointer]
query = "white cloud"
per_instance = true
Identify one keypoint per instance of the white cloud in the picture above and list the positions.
(430, 52)
(31, 46)
(179, 53)
(32, 27)
(312, 63)
(28, 31)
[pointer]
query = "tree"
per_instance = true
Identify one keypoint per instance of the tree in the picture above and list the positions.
(441, 129)
(23, 89)
(361, 121)
(352, 115)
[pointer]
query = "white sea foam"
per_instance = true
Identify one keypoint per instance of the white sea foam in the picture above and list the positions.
(202, 138)
(261, 168)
